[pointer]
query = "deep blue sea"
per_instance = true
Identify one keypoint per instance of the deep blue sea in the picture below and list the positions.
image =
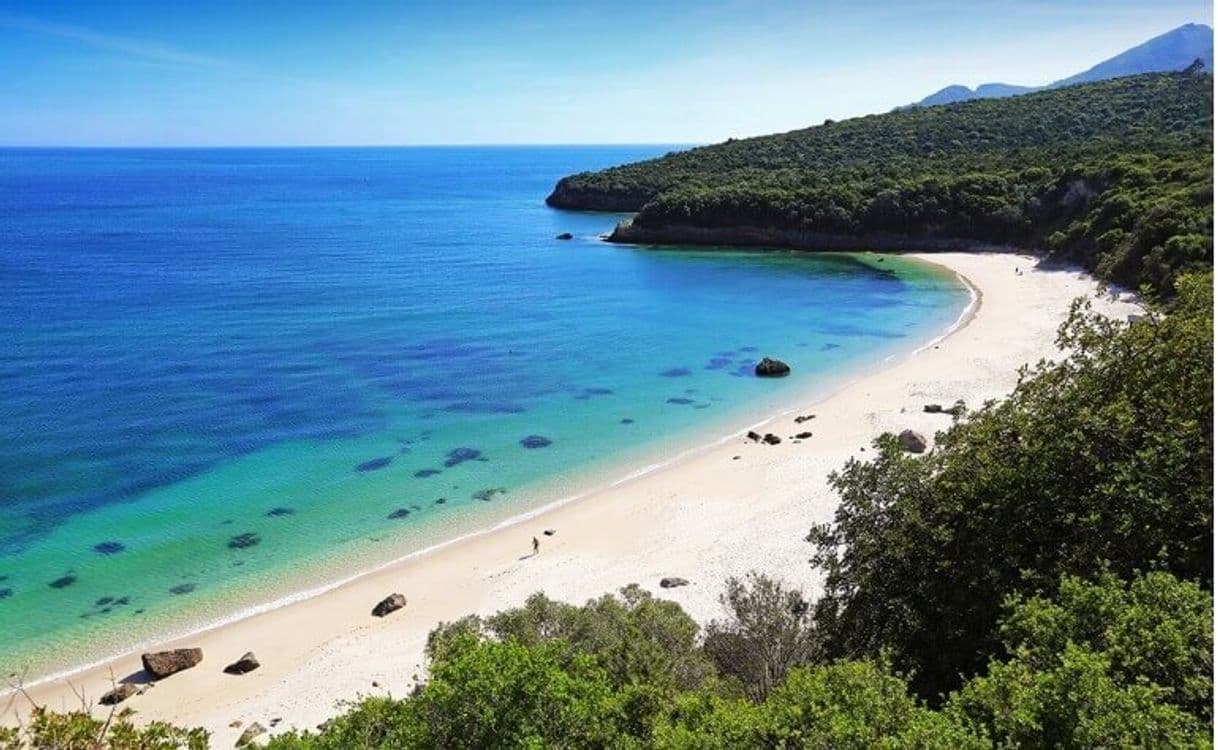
(229, 375)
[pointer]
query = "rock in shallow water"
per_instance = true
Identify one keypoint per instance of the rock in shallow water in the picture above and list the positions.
(243, 541)
(535, 441)
(161, 664)
(109, 548)
(458, 456)
(772, 368)
(374, 464)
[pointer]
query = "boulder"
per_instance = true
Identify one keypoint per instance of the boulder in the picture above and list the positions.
(247, 663)
(802, 435)
(388, 605)
(772, 368)
(753, 436)
(957, 409)
(251, 732)
(550, 532)
(771, 439)
(565, 236)
(161, 664)
(804, 418)
(120, 693)
(914, 442)
(933, 408)
(672, 583)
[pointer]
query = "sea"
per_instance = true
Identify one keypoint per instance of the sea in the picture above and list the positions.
(233, 377)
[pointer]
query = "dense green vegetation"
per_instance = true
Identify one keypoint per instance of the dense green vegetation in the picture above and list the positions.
(1116, 175)
(1104, 664)
(1102, 462)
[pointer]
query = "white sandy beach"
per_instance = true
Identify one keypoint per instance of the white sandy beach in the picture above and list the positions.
(734, 507)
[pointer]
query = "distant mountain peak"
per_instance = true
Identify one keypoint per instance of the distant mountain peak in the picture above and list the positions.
(1188, 48)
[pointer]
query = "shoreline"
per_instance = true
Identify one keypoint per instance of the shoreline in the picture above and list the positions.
(591, 481)
(338, 637)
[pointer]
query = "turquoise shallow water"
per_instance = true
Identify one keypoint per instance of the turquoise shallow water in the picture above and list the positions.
(229, 375)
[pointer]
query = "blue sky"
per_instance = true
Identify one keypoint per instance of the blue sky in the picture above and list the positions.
(288, 73)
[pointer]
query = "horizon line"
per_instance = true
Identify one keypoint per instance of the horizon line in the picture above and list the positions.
(184, 147)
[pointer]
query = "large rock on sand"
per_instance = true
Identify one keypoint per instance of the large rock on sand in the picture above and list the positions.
(389, 605)
(673, 582)
(247, 663)
(161, 664)
(772, 368)
(914, 442)
(120, 693)
(252, 732)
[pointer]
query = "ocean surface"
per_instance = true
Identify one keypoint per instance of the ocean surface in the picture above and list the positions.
(230, 375)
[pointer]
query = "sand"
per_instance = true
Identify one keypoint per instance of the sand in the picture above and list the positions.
(732, 507)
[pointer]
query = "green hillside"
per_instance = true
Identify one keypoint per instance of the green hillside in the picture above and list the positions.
(1116, 175)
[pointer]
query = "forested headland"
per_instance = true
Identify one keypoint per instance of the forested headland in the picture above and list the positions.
(1115, 175)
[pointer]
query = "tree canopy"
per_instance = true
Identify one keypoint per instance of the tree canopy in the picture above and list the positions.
(1116, 175)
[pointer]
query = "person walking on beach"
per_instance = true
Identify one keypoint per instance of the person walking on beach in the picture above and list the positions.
(536, 546)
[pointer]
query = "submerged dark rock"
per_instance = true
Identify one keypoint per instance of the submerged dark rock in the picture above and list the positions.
(626, 420)
(161, 664)
(458, 456)
(486, 494)
(399, 513)
(680, 401)
(243, 541)
(374, 464)
(280, 511)
(5, 593)
(424, 473)
(63, 581)
(676, 372)
(772, 368)
(109, 548)
(565, 236)
(535, 441)
(182, 588)
(388, 605)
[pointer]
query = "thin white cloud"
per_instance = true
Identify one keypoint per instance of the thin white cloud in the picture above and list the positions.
(139, 48)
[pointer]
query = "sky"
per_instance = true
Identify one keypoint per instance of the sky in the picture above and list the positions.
(137, 73)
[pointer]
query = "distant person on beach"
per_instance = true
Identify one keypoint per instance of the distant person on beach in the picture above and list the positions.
(536, 546)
